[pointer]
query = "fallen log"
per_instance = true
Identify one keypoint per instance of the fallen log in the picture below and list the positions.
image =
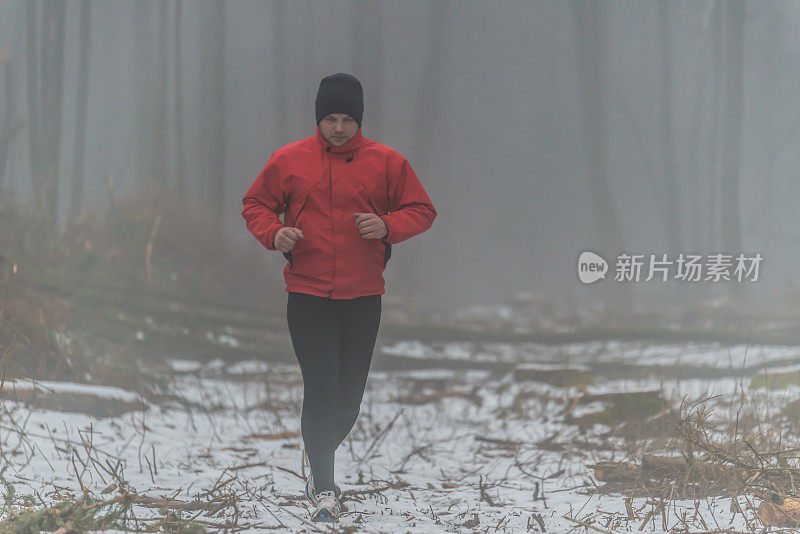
(784, 515)
(655, 467)
(616, 471)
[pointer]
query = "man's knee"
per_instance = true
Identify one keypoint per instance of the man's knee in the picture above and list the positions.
(320, 387)
(346, 419)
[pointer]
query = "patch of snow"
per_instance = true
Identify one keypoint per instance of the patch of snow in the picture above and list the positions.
(248, 367)
(225, 339)
(412, 349)
(71, 387)
(447, 450)
(216, 364)
(553, 367)
(184, 365)
(62, 339)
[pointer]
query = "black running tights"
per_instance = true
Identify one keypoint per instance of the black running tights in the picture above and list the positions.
(333, 340)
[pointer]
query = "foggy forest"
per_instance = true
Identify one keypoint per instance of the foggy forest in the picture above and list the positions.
(583, 313)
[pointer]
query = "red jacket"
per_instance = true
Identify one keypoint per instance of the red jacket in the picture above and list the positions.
(318, 187)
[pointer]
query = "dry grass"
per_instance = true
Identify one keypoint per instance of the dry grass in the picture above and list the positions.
(145, 248)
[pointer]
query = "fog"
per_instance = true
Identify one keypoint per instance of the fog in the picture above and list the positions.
(539, 129)
(598, 331)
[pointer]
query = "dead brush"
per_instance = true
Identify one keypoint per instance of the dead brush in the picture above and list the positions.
(33, 321)
(734, 446)
(149, 242)
(83, 513)
(216, 508)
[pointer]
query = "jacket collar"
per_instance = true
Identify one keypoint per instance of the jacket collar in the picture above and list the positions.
(351, 145)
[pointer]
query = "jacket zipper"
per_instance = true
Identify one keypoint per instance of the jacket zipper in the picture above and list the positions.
(333, 219)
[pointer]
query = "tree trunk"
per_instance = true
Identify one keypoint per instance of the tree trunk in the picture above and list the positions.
(699, 201)
(159, 178)
(428, 103)
(76, 195)
(731, 142)
(279, 69)
(608, 233)
(145, 93)
(9, 126)
(52, 83)
(713, 142)
(593, 113)
(671, 208)
(181, 163)
(212, 124)
(32, 70)
(368, 59)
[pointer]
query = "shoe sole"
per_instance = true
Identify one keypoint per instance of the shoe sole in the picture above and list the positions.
(324, 516)
(309, 495)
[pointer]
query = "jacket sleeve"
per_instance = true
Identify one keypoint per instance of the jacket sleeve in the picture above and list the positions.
(264, 201)
(411, 211)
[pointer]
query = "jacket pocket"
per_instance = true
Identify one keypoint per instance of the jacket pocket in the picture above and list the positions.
(288, 255)
(387, 252)
(387, 246)
(374, 204)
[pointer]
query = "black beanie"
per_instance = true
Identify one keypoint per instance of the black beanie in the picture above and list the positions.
(340, 93)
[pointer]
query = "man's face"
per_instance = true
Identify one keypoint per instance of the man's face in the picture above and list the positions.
(338, 128)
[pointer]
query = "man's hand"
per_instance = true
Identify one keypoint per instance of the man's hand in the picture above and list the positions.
(371, 226)
(286, 238)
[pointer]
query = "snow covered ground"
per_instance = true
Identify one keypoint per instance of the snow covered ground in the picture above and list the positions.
(437, 450)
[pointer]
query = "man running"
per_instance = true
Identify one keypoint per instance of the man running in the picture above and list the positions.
(345, 201)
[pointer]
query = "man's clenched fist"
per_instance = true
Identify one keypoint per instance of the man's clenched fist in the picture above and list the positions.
(286, 238)
(371, 226)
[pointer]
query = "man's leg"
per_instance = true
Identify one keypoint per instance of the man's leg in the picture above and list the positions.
(360, 319)
(315, 333)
